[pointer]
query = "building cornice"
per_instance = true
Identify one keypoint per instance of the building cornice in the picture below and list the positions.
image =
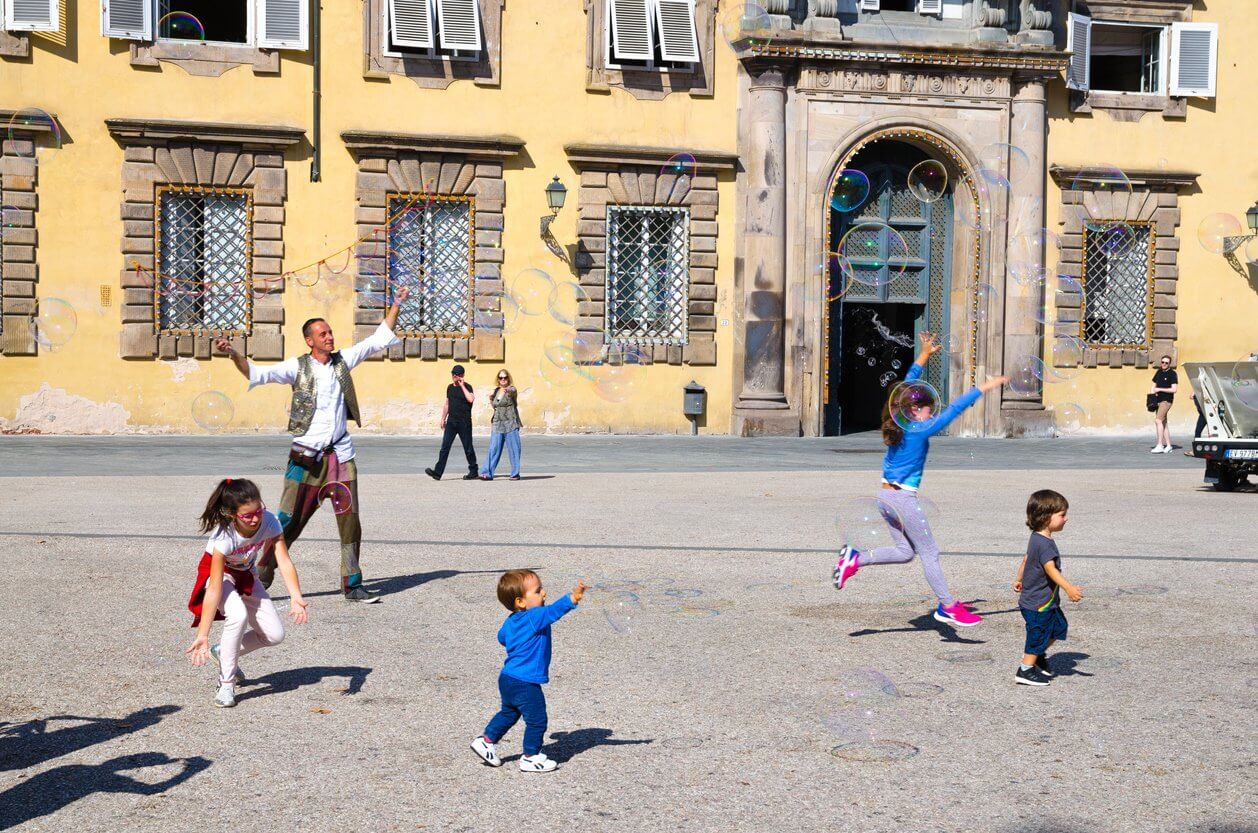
(367, 142)
(586, 155)
(148, 131)
(1085, 176)
(1042, 60)
(8, 118)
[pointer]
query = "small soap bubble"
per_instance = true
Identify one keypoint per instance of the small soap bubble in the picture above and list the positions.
(213, 410)
(32, 122)
(1214, 229)
(339, 496)
(913, 404)
(1025, 375)
(1009, 162)
(928, 180)
(746, 26)
(531, 289)
(180, 26)
(851, 189)
(564, 301)
(54, 323)
(1070, 417)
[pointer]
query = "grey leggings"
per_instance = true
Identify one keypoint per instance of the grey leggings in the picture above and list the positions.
(911, 533)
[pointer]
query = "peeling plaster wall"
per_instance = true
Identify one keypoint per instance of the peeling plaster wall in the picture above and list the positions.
(51, 410)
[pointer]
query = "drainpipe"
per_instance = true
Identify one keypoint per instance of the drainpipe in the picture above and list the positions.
(316, 155)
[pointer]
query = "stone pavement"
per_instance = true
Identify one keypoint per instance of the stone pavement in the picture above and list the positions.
(712, 680)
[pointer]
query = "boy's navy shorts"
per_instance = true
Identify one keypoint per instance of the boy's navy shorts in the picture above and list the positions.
(1041, 628)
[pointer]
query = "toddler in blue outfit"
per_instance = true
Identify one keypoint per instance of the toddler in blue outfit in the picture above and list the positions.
(526, 636)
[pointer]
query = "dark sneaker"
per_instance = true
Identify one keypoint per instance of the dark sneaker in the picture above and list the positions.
(471, 475)
(432, 474)
(1029, 676)
(1041, 665)
(357, 594)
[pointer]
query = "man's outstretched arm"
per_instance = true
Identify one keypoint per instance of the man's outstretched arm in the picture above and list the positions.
(242, 364)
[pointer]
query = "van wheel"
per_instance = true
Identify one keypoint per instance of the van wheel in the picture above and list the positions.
(1227, 482)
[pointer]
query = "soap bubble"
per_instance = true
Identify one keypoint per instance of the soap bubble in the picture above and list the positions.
(1067, 355)
(32, 120)
(851, 189)
(862, 523)
(977, 217)
(1025, 375)
(55, 322)
(928, 180)
(180, 26)
(1070, 417)
(993, 159)
(558, 363)
(531, 289)
(985, 296)
(1040, 246)
(746, 25)
(508, 308)
(912, 404)
(1213, 231)
(1103, 192)
(680, 164)
(564, 301)
(9, 216)
(1114, 237)
(839, 273)
(339, 495)
(876, 253)
(995, 181)
(213, 410)
(951, 343)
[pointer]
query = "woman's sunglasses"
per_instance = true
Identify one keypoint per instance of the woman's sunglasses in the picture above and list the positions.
(250, 517)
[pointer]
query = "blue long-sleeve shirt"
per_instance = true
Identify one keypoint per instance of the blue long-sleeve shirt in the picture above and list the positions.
(526, 636)
(904, 463)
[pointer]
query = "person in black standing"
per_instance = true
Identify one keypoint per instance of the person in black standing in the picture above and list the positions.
(456, 419)
(1165, 384)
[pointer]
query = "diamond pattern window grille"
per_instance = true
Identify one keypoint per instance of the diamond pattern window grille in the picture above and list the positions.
(1117, 283)
(648, 274)
(431, 251)
(204, 261)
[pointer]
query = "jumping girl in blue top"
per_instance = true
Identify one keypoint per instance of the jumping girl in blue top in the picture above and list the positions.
(902, 475)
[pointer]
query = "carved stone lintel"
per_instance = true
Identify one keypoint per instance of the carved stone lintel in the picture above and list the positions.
(896, 81)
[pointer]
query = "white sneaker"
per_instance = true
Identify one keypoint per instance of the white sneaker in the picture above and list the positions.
(1157, 449)
(486, 751)
(226, 697)
(240, 675)
(1166, 449)
(536, 763)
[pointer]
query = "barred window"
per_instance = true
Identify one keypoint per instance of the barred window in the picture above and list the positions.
(204, 263)
(1117, 284)
(648, 274)
(430, 250)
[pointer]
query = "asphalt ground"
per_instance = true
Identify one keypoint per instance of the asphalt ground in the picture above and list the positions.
(712, 680)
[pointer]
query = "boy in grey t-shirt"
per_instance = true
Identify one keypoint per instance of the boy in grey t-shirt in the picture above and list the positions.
(1039, 583)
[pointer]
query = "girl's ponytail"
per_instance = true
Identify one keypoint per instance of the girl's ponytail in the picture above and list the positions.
(228, 496)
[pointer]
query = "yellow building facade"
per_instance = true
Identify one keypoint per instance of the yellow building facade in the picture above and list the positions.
(172, 177)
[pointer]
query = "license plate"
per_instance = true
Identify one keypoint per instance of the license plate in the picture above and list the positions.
(1242, 454)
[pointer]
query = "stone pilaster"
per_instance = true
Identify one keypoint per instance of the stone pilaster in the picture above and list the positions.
(762, 407)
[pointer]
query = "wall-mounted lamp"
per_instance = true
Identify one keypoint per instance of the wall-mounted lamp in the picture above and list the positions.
(1231, 244)
(556, 193)
(1251, 217)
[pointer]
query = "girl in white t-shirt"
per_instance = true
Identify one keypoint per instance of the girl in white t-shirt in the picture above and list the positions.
(241, 531)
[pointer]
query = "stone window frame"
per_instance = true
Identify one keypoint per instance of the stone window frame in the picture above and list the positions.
(439, 72)
(15, 44)
(652, 84)
(1153, 201)
(391, 163)
(630, 175)
(1131, 107)
(469, 295)
(163, 152)
(19, 269)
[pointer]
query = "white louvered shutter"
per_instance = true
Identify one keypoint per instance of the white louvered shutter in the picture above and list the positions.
(1079, 43)
(410, 24)
(930, 6)
(1194, 58)
(631, 30)
(283, 24)
(32, 15)
(871, 5)
(675, 20)
(458, 23)
(129, 19)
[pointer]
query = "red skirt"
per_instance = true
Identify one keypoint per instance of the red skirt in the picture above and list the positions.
(244, 584)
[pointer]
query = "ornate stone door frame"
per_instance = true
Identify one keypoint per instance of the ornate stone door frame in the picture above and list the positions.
(801, 115)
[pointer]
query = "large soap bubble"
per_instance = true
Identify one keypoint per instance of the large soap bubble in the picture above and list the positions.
(213, 410)
(913, 405)
(1214, 229)
(55, 323)
(876, 254)
(862, 523)
(746, 26)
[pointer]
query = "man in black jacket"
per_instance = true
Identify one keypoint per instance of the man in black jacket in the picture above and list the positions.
(456, 419)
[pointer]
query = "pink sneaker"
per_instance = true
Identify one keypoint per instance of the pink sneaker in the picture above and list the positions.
(957, 614)
(848, 564)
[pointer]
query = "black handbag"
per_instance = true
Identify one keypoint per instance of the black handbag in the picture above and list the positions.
(1151, 402)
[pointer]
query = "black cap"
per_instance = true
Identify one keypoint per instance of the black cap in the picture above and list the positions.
(457, 371)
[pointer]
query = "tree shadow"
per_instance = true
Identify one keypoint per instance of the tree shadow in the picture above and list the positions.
(53, 789)
(284, 681)
(27, 744)
(925, 622)
(565, 746)
(1066, 664)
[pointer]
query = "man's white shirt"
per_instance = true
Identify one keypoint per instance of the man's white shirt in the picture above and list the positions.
(329, 421)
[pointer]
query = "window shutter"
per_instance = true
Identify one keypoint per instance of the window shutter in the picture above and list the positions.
(871, 5)
(458, 23)
(631, 30)
(1079, 43)
(32, 16)
(1194, 57)
(930, 7)
(282, 24)
(129, 19)
(676, 22)
(410, 23)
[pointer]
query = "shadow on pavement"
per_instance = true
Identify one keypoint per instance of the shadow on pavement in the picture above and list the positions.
(1066, 664)
(565, 746)
(30, 743)
(925, 622)
(53, 789)
(293, 679)
(399, 584)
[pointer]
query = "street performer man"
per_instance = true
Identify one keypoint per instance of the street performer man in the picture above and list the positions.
(321, 459)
